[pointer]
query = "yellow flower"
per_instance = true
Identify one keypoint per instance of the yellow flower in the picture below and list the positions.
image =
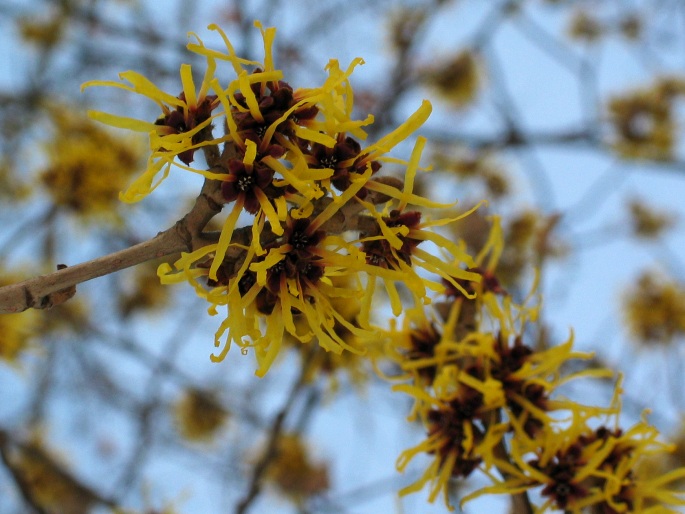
(461, 430)
(473, 387)
(331, 365)
(199, 415)
(87, 166)
(293, 472)
(292, 279)
(655, 309)
(457, 79)
(585, 27)
(16, 333)
(17, 330)
(45, 33)
(646, 222)
(643, 124)
(578, 464)
(47, 480)
(178, 132)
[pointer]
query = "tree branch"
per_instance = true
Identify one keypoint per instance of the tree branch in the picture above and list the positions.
(45, 291)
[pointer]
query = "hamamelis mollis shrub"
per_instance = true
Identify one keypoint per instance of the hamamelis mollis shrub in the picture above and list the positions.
(315, 233)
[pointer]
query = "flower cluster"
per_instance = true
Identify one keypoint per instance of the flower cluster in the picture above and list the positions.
(644, 121)
(486, 395)
(654, 309)
(312, 230)
(293, 471)
(293, 160)
(86, 165)
(199, 415)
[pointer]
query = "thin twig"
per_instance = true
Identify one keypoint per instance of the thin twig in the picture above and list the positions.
(262, 465)
(46, 291)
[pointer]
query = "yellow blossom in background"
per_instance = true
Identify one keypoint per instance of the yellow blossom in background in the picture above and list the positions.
(471, 165)
(654, 309)
(199, 415)
(44, 33)
(456, 79)
(294, 473)
(584, 27)
(646, 222)
(47, 480)
(17, 330)
(631, 27)
(12, 186)
(644, 125)
(529, 239)
(86, 165)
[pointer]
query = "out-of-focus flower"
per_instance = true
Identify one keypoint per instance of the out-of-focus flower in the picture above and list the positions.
(584, 27)
(631, 27)
(457, 79)
(199, 415)
(643, 124)
(44, 33)
(470, 165)
(48, 481)
(654, 309)
(529, 239)
(294, 473)
(646, 223)
(17, 330)
(86, 165)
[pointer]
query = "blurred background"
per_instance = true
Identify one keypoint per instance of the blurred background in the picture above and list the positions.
(567, 116)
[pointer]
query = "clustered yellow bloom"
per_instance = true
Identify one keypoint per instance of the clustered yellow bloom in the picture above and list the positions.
(648, 223)
(86, 165)
(199, 415)
(17, 331)
(579, 465)
(655, 309)
(318, 363)
(325, 231)
(471, 165)
(293, 159)
(487, 401)
(585, 27)
(293, 472)
(457, 79)
(47, 480)
(643, 120)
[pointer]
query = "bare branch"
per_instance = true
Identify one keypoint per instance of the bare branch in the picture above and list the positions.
(46, 291)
